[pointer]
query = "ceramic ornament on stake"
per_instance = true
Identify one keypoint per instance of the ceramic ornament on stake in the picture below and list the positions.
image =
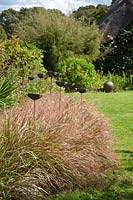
(81, 91)
(68, 86)
(40, 75)
(31, 78)
(60, 84)
(34, 97)
(57, 75)
(50, 74)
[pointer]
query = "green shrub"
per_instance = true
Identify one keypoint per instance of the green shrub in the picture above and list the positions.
(77, 70)
(18, 60)
(121, 82)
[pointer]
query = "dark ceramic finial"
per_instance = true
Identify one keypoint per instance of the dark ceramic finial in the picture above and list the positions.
(81, 90)
(31, 78)
(56, 74)
(60, 83)
(50, 74)
(68, 84)
(40, 75)
(34, 96)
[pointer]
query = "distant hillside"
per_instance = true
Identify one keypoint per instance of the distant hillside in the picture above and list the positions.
(118, 17)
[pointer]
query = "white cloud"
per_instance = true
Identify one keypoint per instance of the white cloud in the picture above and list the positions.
(64, 5)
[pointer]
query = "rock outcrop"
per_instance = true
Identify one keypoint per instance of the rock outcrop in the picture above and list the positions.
(117, 18)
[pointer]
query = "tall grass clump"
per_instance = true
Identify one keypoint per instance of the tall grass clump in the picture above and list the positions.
(63, 150)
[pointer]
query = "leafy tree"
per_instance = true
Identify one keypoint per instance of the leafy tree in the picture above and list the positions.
(3, 35)
(9, 18)
(59, 36)
(90, 14)
(18, 60)
(119, 56)
(77, 70)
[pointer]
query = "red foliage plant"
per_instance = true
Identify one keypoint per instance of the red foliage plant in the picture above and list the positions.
(72, 147)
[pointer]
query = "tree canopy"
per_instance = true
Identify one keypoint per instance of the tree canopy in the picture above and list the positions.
(119, 56)
(57, 35)
(90, 14)
(3, 35)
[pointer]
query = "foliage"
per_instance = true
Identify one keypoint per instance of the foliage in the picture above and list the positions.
(5, 90)
(3, 35)
(59, 36)
(77, 70)
(90, 14)
(18, 60)
(32, 165)
(121, 82)
(113, 192)
(119, 55)
(9, 18)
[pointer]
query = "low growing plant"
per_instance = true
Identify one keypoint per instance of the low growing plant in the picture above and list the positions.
(65, 149)
(6, 88)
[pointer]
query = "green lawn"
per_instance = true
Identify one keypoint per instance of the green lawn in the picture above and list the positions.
(118, 107)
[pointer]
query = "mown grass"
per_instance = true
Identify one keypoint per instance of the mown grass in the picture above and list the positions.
(118, 107)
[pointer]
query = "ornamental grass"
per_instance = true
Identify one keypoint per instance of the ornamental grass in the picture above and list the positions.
(62, 150)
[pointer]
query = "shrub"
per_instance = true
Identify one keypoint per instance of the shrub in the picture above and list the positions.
(3, 35)
(121, 82)
(66, 149)
(77, 70)
(18, 60)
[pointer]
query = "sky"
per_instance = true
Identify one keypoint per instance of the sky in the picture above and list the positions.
(65, 6)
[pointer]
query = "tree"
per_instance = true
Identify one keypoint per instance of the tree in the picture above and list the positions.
(3, 35)
(90, 14)
(18, 60)
(59, 36)
(9, 18)
(119, 56)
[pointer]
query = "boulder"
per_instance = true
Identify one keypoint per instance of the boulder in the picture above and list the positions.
(118, 17)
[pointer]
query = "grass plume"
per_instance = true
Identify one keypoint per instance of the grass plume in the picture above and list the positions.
(66, 149)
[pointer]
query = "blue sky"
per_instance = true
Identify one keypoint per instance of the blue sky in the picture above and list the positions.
(64, 5)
